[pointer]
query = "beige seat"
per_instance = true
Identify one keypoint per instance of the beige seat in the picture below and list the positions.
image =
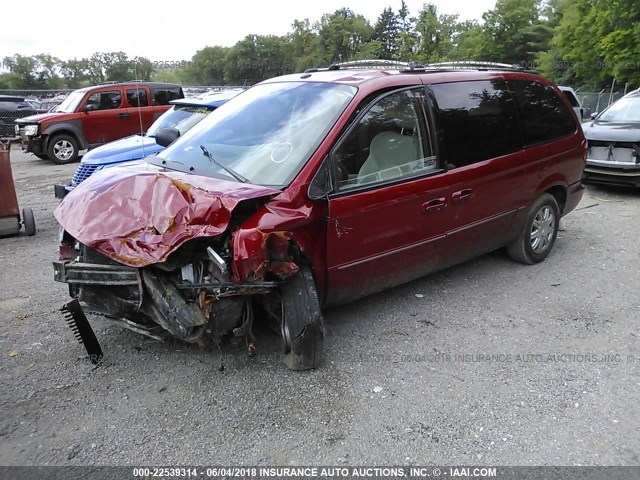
(389, 156)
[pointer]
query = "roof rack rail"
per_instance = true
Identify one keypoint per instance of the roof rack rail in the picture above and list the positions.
(373, 63)
(411, 67)
(475, 65)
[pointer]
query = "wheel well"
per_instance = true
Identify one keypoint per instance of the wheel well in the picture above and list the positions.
(560, 194)
(63, 132)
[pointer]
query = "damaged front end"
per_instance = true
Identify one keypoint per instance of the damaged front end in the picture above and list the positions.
(154, 250)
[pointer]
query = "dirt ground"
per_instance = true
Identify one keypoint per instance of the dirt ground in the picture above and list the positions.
(489, 362)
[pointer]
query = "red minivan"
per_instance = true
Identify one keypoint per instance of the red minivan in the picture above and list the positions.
(314, 189)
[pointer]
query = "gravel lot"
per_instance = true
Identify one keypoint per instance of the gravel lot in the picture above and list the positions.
(397, 388)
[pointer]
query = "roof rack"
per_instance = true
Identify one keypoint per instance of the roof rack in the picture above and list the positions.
(411, 67)
(373, 63)
(476, 65)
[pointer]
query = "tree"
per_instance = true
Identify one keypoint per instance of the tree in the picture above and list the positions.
(341, 35)
(469, 42)
(407, 38)
(514, 32)
(206, 67)
(304, 43)
(74, 72)
(436, 34)
(386, 33)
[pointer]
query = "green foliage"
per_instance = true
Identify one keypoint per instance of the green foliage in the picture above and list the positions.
(341, 35)
(436, 34)
(385, 41)
(585, 42)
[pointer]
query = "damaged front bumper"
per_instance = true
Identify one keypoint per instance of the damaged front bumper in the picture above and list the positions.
(77, 273)
(150, 301)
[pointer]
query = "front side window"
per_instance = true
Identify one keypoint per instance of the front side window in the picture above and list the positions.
(266, 135)
(105, 100)
(543, 115)
(387, 143)
(475, 121)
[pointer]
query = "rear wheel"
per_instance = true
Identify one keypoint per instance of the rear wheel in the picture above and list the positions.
(539, 233)
(63, 149)
(301, 326)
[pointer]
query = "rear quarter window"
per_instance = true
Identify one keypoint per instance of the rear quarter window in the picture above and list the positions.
(475, 121)
(163, 95)
(543, 115)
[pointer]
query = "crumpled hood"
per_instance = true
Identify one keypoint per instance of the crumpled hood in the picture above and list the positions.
(128, 148)
(138, 214)
(612, 132)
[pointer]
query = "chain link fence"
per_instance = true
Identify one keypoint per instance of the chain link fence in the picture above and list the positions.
(598, 101)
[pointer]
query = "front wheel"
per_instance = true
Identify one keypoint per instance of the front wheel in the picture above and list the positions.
(301, 326)
(62, 149)
(539, 233)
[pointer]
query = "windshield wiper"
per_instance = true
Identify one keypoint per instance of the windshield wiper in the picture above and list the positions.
(229, 170)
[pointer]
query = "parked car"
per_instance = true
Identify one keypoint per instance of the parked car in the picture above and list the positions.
(582, 112)
(314, 189)
(92, 116)
(183, 115)
(613, 137)
(11, 108)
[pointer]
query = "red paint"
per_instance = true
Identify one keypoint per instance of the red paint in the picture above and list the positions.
(139, 214)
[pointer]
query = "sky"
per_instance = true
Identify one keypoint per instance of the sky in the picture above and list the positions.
(163, 30)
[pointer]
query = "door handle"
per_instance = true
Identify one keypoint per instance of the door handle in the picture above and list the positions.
(435, 205)
(462, 196)
(124, 115)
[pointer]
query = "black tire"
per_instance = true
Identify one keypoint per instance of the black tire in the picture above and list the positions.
(62, 149)
(302, 329)
(539, 232)
(29, 222)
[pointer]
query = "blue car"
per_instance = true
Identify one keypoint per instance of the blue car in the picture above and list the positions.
(185, 113)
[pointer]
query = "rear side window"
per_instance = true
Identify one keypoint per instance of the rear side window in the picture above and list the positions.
(105, 100)
(543, 115)
(163, 95)
(137, 97)
(475, 121)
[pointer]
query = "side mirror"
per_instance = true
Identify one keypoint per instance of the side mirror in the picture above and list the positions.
(91, 107)
(166, 136)
(594, 115)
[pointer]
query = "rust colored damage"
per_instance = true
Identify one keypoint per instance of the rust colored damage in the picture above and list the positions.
(140, 214)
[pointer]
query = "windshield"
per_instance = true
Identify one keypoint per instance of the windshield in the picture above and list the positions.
(180, 117)
(624, 110)
(266, 134)
(70, 103)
